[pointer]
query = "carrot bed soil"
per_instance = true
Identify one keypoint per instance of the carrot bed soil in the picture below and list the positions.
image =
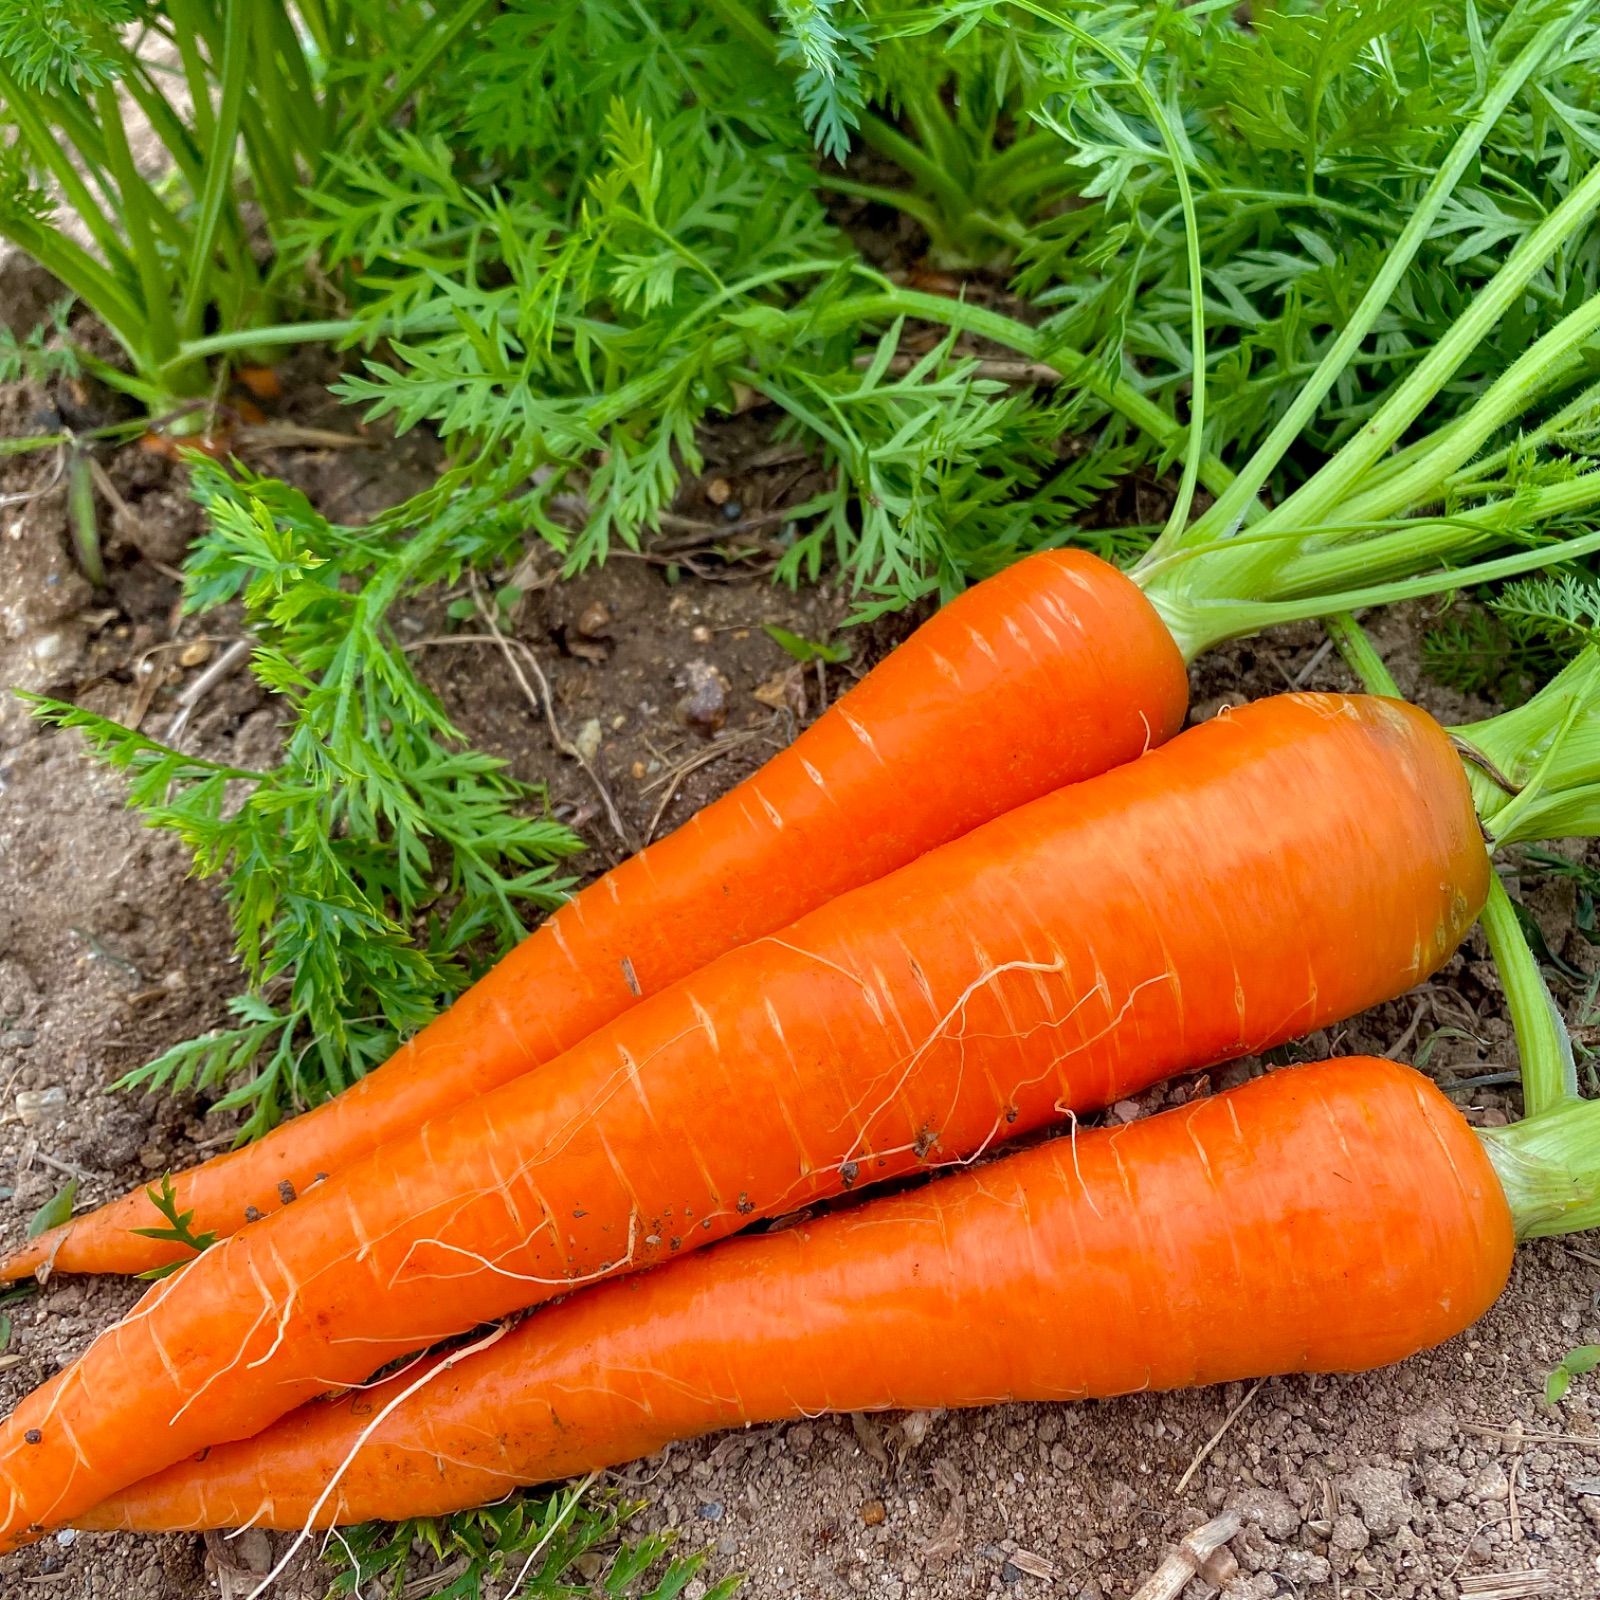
(107, 953)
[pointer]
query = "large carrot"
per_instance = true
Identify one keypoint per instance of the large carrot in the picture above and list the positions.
(1054, 670)
(1268, 872)
(1322, 1219)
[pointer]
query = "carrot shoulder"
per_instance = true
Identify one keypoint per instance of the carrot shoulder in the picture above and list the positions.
(1322, 1219)
(1269, 872)
(1054, 670)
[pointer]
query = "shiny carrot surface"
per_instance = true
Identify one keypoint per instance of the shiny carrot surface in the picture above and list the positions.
(1054, 670)
(1271, 871)
(1321, 1219)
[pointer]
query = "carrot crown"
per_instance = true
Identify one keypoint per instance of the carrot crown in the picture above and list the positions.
(1535, 771)
(1385, 518)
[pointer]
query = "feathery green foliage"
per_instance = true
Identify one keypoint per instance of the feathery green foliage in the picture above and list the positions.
(364, 868)
(529, 1547)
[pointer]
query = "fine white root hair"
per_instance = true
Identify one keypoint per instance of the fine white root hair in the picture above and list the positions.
(604, 1270)
(384, 1413)
(956, 1010)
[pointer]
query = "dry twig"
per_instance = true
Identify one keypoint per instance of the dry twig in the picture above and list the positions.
(1216, 1439)
(1170, 1579)
(1506, 1585)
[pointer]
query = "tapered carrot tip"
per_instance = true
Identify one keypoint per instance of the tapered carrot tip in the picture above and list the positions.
(262, 382)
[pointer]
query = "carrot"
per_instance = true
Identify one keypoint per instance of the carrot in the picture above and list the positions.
(1054, 670)
(1273, 870)
(1327, 1218)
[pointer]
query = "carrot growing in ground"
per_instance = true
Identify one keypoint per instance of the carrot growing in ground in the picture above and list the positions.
(1047, 674)
(1270, 871)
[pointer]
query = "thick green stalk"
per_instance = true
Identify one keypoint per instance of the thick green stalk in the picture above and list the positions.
(1230, 508)
(1549, 1169)
(1350, 639)
(1412, 394)
(1535, 770)
(1549, 1073)
(1197, 623)
(1478, 476)
(185, 31)
(298, 105)
(1402, 546)
(1547, 362)
(218, 189)
(137, 204)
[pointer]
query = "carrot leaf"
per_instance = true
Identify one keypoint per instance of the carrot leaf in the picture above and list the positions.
(543, 1547)
(1575, 1363)
(55, 1211)
(179, 1229)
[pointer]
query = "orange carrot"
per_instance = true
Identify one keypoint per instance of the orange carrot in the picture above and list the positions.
(1273, 870)
(1054, 670)
(1327, 1218)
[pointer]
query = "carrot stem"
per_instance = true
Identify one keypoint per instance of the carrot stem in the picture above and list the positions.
(1230, 508)
(1549, 1073)
(1548, 751)
(1351, 641)
(1549, 1169)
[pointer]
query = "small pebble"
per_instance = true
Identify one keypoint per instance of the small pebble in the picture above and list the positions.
(711, 1511)
(705, 707)
(594, 619)
(35, 1105)
(732, 511)
(194, 653)
(587, 742)
(718, 491)
(873, 1513)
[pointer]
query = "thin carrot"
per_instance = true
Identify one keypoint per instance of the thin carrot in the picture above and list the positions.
(1056, 669)
(1273, 870)
(1326, 1218)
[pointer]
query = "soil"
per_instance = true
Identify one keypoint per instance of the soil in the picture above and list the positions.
(1404, 1483)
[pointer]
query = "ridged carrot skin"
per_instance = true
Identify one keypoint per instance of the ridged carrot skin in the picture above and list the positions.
(1328, 1218)
(1275, 869)
(1054, 670)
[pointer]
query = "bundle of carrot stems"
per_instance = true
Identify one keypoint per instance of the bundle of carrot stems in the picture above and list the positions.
(990, 891)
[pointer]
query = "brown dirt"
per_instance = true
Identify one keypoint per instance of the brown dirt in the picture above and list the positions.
(1382, 1485)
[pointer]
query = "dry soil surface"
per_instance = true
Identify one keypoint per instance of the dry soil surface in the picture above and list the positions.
(1413, 1482)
